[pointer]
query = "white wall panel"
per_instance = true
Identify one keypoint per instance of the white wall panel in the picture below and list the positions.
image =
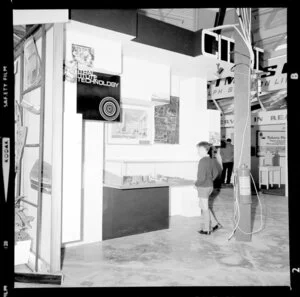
(72, 152)
(92, 181)
(141, 79)
(83, 142)
(108, 54)
(39, 16)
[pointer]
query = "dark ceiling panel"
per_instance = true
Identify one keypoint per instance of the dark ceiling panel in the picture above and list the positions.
(120, 20)
(163, 35)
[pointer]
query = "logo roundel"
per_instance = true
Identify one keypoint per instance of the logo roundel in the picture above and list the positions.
(109, 108)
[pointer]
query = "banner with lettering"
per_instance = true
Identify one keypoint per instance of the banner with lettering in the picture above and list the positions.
(274, 78)
(274, 117)
(272, 101)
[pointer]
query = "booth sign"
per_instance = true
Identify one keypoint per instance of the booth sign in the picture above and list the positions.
(98, 96)
(274, 78)
(272, 117)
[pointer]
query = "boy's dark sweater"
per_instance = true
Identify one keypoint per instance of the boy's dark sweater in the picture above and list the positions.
(207, 172)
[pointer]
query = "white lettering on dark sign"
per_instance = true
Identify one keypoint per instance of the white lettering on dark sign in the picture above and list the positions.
(88, 77)
(5, 87)
(5, 163)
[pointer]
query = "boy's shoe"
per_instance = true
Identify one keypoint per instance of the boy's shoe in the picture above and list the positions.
(218, 226)
(204, 232)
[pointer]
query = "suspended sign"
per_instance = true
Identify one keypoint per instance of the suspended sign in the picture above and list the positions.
(273, 117)
(98, 96)
(222, 47)
(274, 78)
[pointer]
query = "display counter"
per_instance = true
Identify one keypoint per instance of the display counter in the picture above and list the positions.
(178, 183)
(148, 172)
(133, 211)
(140, 196)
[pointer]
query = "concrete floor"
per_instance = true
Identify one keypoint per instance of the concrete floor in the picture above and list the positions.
(179, 256)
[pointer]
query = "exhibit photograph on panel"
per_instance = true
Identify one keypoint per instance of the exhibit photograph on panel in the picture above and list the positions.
(135, 126)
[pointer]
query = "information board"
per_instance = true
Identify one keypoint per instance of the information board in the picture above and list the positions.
(166, 121)
(272, 142)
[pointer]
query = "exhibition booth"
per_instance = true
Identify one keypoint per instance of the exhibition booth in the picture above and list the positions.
(86, 179)
(109, 109)
(110, 105)
(268, 122)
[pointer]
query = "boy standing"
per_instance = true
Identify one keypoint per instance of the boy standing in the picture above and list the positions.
(207, 173)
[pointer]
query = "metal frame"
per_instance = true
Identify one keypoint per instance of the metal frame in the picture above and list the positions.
(41, 148)
(40, 33)
(218, 106)
(19, 178)
(18, 49)
(257, 93)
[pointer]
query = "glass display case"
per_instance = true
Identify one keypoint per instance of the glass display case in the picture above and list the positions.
(149, 173)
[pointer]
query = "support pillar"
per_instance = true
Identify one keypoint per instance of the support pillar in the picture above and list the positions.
(57, 148)
(242, 124)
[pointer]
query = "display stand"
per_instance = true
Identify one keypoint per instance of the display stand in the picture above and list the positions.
(37, 276)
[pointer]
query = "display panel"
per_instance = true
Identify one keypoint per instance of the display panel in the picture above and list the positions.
(166, 121)
(271, 142)
(135, 126)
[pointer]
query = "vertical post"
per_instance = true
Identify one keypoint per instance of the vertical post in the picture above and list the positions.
(41, 150)
(104, 151)
(57, 147)
(286, 162)
(242, 124)
(19, 179)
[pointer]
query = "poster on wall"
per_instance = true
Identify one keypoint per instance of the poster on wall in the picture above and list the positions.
(83, 55)
(214, 138)
(32, 64)
(271, 142)
(83, 58)
(134, 128)
(98, 96)
(166, 122)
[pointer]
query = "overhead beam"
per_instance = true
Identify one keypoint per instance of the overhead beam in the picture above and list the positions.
(165, 36)
(120, 20)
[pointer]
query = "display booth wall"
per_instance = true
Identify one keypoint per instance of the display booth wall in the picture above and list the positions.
(84, 151)
(279, 127)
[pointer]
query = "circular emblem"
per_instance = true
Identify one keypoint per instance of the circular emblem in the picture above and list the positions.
(109, 108)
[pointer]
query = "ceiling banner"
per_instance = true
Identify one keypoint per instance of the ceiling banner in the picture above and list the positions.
(274, 117)
(274, 78)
